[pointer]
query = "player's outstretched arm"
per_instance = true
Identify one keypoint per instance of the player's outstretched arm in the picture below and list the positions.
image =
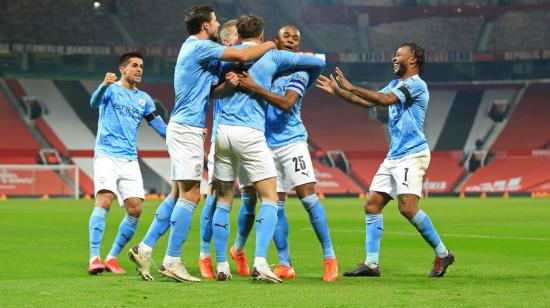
(285, 103)
(330, 86)
(157, 123)
(231, 54)
(314, 65)
(97, 96)
(375, 97)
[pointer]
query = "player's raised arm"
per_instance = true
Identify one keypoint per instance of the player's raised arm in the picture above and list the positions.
(330, 86)
(285, 102)
(375, 97)
(97, 96)
(251, 53)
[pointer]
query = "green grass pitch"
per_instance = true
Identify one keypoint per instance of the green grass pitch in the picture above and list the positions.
(502, 249)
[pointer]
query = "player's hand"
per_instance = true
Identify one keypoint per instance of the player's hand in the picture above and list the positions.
(232, 79)
(325, 84)
(205, 132)
(246, 82)
(110, 78)
(342, 79)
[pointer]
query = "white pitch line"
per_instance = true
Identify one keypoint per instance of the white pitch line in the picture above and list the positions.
(480, 236)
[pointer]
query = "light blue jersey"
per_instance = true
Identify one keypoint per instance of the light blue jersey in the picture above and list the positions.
(406, 123)
(120, 113)
(193, 76)
(286, 127)
(249, 110)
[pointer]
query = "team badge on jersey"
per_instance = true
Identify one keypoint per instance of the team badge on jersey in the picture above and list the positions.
(141, 101)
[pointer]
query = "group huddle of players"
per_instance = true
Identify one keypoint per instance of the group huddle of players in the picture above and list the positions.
(258, 137)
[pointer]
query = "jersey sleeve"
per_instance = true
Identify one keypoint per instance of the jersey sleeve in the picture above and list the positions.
(149, 106)
(410, 90)
(100, 96)
(285, 60)
(298, 82)
(207, 50)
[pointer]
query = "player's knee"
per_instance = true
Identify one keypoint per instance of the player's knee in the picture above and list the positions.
(408, 209)
(372, 208)
(305, 190)
(135, 211)
(104, 199)
(133, 207)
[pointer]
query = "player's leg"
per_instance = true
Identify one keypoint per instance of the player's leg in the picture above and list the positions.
(245, 222)
(408, 173)
(221, 226)
(205, 261)
(105, 177)
(224, 173)
(382, 190)
(96, 227)
(284, 269)
(126, 231)
(246, 217)
(141, 254)
(208, 210)
(319, 222)
(186, 147)
(131, 196)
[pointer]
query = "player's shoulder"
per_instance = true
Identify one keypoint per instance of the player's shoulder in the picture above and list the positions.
(417, 82)
(300, 74)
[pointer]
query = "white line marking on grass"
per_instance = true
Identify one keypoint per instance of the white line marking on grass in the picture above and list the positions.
(480, 236)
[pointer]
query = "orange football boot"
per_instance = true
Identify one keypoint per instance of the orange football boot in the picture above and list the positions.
(240, 260)
(96, 266)
(205, 266)
(284, 272)
(331, 270)
(112, 266)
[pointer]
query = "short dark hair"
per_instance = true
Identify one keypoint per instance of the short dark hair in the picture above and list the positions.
(127, 56)
(196, 16)
(250, 26)
(417, 52)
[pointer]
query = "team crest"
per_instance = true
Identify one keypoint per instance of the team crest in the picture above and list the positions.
(141, 101)
(198, 169)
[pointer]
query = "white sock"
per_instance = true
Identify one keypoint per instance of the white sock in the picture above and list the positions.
(145, 250)
(204, 255)
(441, 251)
(93, 258)
(109, 257)
(168, 260)
(259, 261)
(223, 267)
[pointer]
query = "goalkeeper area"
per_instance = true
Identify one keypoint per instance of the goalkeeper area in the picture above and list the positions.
(501, 247)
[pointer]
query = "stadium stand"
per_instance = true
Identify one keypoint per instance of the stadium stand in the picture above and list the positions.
(333, 181)
(459, 120)
(528, 127)
(512, 172)
(453, 33)
(24, 21)
(25, 150)
(336, 125)
(509, 32)
(438, 111)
